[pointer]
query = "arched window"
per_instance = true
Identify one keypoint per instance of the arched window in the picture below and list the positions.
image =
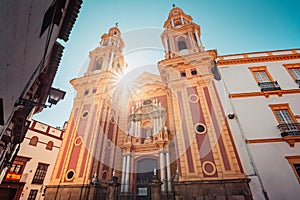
(99, 64)
(49, 145)
(181, 45)
(104, 175)
(33, 141)
(105, 42)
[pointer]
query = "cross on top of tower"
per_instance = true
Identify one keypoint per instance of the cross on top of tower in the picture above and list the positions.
(117, 24)
(173, 5)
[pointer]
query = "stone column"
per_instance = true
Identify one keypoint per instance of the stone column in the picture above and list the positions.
(111, 59)
(112, 188)
(132, 128)
(127, 173)
(154, 126)
(157, 125)
(123, 173)
(168, 171)
(155, 185)
(198, 39)
(160, 123)
(138, 129)
(181, 19)
(166, 44)
(162, 170)
(172, 22)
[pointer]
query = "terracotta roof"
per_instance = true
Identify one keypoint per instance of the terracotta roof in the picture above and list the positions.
(69, 19)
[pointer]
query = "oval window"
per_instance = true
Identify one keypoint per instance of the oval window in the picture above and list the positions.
(200, 128)
(70, 174)
(85, 114)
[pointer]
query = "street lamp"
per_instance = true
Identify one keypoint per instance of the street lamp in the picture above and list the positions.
(54, 96)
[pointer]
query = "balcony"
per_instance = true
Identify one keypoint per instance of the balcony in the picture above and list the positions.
(269, 86)
(289, 129)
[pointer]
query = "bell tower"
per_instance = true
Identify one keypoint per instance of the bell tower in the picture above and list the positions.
(181, 35)
(204, 146)
(108, 55)
(88, 152)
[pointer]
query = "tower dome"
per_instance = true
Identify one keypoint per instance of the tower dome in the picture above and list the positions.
(177, 18)
(181, 35)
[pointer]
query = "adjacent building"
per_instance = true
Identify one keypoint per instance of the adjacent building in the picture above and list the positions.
(33, 166)
(261, 96)
(29, 58)
(161, 136)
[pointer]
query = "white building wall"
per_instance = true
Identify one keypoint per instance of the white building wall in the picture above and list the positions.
(39, 154)
(277, 175)
(22, 48)
(239, 79)
(254, 119)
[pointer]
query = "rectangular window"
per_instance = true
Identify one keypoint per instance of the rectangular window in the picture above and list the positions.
(294, 71)
(40, 173)
(284, 116)
(53, 14)
(194, 72)
(32, 195)
(16, 168)
(294, 161)
(182, 74)
(264, 79)
(288, 124)
(261, 76)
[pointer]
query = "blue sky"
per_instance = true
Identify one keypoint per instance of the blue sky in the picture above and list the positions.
(230, 26)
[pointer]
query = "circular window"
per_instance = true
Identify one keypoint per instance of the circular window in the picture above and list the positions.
(200, 128)
(193, 98)
(85, 114)
(78, 141)
(70, 174)
(108, 144)
(209, 168)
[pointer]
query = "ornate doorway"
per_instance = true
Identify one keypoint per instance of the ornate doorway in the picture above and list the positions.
(144, 176)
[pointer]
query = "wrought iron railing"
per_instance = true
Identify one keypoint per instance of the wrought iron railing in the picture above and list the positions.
(269, 86)
(298, 82)
(289, 129)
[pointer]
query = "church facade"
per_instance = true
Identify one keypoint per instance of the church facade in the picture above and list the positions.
(164, 136)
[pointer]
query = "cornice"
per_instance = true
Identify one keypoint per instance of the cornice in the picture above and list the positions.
(255, 57)
(266, 94)
(291, 140)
